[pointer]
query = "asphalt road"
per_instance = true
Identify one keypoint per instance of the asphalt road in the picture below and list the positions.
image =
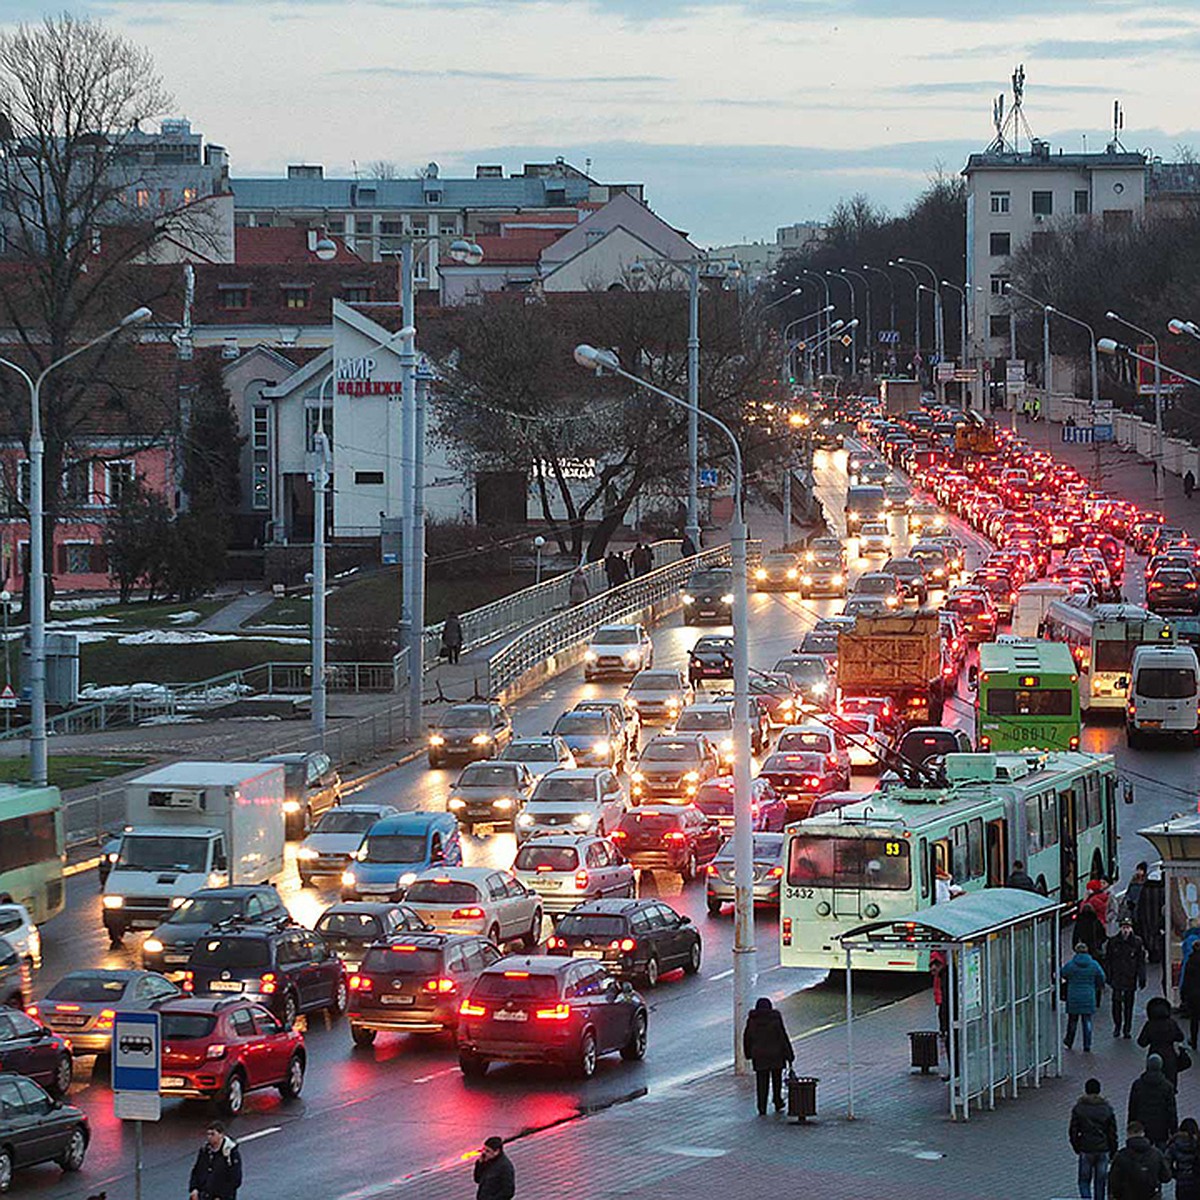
(370, 1117)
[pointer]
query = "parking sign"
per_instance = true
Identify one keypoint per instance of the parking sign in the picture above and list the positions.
(136, 1065)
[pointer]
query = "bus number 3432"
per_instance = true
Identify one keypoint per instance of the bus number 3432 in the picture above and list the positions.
(799, 893)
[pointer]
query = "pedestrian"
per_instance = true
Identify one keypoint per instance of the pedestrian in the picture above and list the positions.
(577, 589)
(641, 560)
(766, 1044)
(687, 548)
(649, 551)
(1189, 994)
(1138, 1170)
(1161, 1035)
(1100, 899)
(1125, 966)
(1131, 901)
(1084, 978)
(1019, 878)
(495, 1178)
(452, 637)
(1189, 484)
(621, 569)
(943, 886)
(1089, 930)
(1183, 1157)
(610, 569)
(1093, 1136)
(1152, 1103)
(217, 1172)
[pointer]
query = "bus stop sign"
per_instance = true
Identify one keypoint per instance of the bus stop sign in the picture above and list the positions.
(137, 1065)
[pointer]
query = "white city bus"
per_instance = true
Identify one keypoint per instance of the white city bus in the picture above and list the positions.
(31, 848)
(1055, 811)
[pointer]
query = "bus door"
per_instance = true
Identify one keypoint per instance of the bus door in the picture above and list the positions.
(997, 852)
(1110, 826)
(940, 858)
(924, 878)
(1068, 871)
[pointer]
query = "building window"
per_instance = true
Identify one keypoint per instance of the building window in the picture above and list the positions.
(1000, 202)
(164, 197)
(233, 296)
(120, 478)
(1000, 244)
(1083, 202)
(357, 293)
(260, 454)
(1118, 218)
(142, 197)
(295, 297)
(335, 225)
(367, 477)
(419, 229)
(490, 229)
(433, 197)
(391, 226)
(998, 325)
(1043, 204)
(77, 558)
(189, 195)
(310, 426)
(420, 270)
(1039, 242)
(998, 282)
(77, 482)
(23, 481)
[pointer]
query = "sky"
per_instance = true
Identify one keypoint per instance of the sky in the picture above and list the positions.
(737, 116)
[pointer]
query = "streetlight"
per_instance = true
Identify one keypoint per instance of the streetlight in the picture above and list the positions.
(828, 305)
(790, 346)
(891, 307)
(1158, 424)
(897, 266)
(538, 543)
(1176, 326)
(869, 328)
(1112, 346)
(743, 936)
(5, 599)
(939, 330)
(790, 295)
(39, 762)
(853, 313)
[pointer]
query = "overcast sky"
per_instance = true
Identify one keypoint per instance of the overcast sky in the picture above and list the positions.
(738, 117)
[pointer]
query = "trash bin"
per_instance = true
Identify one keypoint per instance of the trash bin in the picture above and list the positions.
(924, 1047)
(801, 1097)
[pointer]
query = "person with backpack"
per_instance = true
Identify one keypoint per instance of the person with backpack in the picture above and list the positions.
(1093, 1137)
(217, 1171)
(1138, 1169)
(1183, 1157)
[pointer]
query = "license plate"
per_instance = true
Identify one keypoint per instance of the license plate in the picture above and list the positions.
(175, 958)
(144, 923)
(1151, 724)
(373, 889)
(225, 985)
(547, 885)
(172, 1081)
(587, 954)
(519, 1015)
(57, 1022)
(395, 998)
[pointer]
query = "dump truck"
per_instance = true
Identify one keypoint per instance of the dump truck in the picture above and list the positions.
(897, 655)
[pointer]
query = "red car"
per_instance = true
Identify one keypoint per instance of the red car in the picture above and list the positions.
(668, 837)
(221, 1049)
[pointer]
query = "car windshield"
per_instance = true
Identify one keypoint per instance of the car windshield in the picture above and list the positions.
(185, 854)
(967, 605)
(338, 821)
(578, 790)
(394, 848)
(515, 985)
(1165, 683)
(187, 1027)
(805, 739)
(820, 641)
(615, 637)
(704, 581)
(670, 752)
(448, 891)
(530, 752)
(782, 764)
(766, 850)
(487, 775)
(900, 566)
(656, 681)
(804, 670)
(778, 560)
(206, 910)
(88, 988)
(713, 646)
(920, 746)
(581, 722)
(697, 718)
(349, 924)
(875, 585)
(546, 858)
(467, 718)
(715, 799)
(403, 959)
(232, 952)
(591, 925)
(650, 822)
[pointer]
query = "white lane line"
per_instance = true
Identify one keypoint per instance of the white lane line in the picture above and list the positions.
(249, 1137)
(722, 975)
(436, 1075)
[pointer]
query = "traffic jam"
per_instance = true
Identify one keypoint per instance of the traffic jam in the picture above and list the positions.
(533, 915)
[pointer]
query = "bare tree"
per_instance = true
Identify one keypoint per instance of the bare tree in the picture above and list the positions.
(383, 168)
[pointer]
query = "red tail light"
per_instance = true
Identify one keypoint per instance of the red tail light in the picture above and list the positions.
(775, 872)
(544, 867)
(627, 944)
(188, 982)
(556, 943)
(467, 1009)
(441, 986)
(812, 781)
(581, 879)
(361, 983)
(712, 868)
(216, 1050)
(786, 931)
(618, 835)
(32, 1010)
(1073, 744)
(675, 836)
(985, 742)
(106, 1018)
(467, 914)
(560, 1012)
(267, 983)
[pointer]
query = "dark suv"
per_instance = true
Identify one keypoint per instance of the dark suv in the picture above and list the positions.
(708, 596)
(668, 837)
(311, 785)
(288, 970)
(414, 983)
(632, 938)
(15, 977)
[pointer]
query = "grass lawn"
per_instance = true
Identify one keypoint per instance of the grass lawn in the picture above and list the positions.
(72, 770)
(109, 663)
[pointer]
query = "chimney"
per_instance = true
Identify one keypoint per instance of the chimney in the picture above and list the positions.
(305, 171)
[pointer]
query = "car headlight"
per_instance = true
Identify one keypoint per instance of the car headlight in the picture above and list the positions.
(177, 901)
(291, 807)
(436, 739)
(455, 803)
(152, 946)
(672, 703)
(602, 747)
(35, 940)
(688, 599)
(791, 572)
(349, 879)
(503, 803)
(632, 656)
(111, 856)
(114, 901)
(583, 820)
(838, 580)
(938, 572)
(891, 601)
(481, 739)
(691, 777)
(408, 878)
(590, 656)
(760, 573)
(818, 689)
(727, 598)
(638, 777)
(307, 853)
(852, 515)
(807, 580)
(525, 820)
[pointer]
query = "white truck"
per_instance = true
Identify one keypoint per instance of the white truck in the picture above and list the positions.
(193, 825)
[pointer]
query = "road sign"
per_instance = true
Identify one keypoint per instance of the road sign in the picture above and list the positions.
(1102, 433)
(708, 477)
(889, 337)
(944, 372)
(966, 374)
(8, 698)
(1014, 370)
(136, 1065)
(1080, 434)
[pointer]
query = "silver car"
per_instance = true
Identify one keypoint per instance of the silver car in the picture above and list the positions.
(767, 853)
(567, 871)
(83, 1004)
(336, 838)
(586, 800)
(618, 650)
(539, 755)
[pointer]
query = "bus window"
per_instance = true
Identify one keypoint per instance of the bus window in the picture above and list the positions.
(925, 874)
(1049, 821)
(852, 862)
(959, 862)
(1020, 702)
(997, 853)
(1081, 821)
(1033, 826)
(975, 847)
(1091, 793)
(941, 856)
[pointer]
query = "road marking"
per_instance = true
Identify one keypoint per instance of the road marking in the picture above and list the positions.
(249, 1137)
(722, 975)
(436, 1075)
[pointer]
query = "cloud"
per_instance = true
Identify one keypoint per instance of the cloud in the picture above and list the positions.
(514, 77)
(985, 91)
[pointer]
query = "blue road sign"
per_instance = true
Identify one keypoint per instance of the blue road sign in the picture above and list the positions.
(708, 477)
(889, 337)
(136, 1052)
(1102, 433)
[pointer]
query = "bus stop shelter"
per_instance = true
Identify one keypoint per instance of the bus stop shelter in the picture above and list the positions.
(1002, 954)
(1178, 844)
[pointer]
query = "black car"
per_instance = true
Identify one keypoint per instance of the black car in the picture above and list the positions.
(415, 983)
(36, 1129)
(708, 596)
(28, 1047)
(311, 785)
(350, 927)
(639, 939)
(288, 970)
(549, 1009)
(467, 732)
(932, 741)
(911, 573)
(1173, 589)
(15, 979)
(710, 658)
(169, 947)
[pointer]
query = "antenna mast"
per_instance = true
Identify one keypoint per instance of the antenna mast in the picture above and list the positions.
(1010, 128)
(1118, 124)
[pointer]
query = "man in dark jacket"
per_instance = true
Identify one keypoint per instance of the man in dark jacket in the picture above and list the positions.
(1018, 877)
(768, 1047)
(1093, 1135)
(1152, 1103)
(217, 1173)
(494, 1175)
(1138, 1170)
(1125, 967)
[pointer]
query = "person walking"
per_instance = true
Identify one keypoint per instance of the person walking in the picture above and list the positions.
(494, 1176)
(577, 589)
(610, 568)
(1089, 930)
(687, 548)
(1125, 966)
(1152, 1102)
(1160, 1036)
(766, 1044)
(1138, 1170)
(1183, 1157)
(217, 1171)
(1189, 994)
(452, 637)
(1093, 1136)
(1189, 484)
(1131, 901)
(1084, 978)
(1019, 878)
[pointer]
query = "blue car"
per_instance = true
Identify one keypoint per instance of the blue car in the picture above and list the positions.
(396, 850)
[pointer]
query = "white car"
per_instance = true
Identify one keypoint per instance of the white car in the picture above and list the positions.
(865, 743)
(874, 538)
(618, 650)
(585, 800)
(716, 720)
(539, 755)
(336, 837)
(567, 871)
(477, 900)
(18, 929)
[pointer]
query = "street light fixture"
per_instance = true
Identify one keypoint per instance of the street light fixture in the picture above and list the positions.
(743, 938)
(898, 266)
(853, 313)
(1176, 326)
(538, 543)
(1158, 412)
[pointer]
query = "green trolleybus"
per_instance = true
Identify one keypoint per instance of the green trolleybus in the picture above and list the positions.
(1027, 697)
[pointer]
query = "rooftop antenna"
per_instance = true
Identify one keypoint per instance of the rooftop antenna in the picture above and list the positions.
(1118, 124)
(1009, 129)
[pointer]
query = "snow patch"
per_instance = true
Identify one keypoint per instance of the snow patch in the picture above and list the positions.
(81, 604)
(183, 618)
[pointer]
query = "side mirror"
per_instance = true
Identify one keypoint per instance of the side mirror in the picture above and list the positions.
(685, 919)
(973, 677)
(612, 988)
(1127, 795)
(1123, 681)
(626, 988)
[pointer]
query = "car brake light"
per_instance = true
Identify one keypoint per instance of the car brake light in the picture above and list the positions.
(216, 1050)
(361, 983)
(544, 867)
(105, 1019)
(985, 742)
(786, 931)
(516, 974)
(440, 985)
(674, 836)
(57, 1008)
(461, 914)
(712, 868)
(1073, 744)
(188, 982)
(775, 872)
(560, 1012)
(267, 983)
(467, 1009)
(556, 943)
(618, 835)
(581, 879)
(32, 1010)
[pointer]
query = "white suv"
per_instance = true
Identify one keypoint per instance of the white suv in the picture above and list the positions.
(567, 871)
(618, 650)
(585, 800)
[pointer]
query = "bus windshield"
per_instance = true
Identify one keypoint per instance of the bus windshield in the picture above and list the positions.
(1113, 655)
(849, 862)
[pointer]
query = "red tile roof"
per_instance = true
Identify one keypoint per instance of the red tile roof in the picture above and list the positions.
(523, 247)
(267, 245)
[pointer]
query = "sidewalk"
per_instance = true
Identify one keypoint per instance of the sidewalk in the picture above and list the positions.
(702, 1139)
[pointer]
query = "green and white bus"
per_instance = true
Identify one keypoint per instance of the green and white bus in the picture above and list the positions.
(1102, 640)
(1027, 697)
(880, 857)
(31, 849)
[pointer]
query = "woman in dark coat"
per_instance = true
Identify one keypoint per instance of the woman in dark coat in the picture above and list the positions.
(768, 1047)
(1090, 930)
(1183, 1154)
(1160, 1035)
(452, 637)
(1189, 993)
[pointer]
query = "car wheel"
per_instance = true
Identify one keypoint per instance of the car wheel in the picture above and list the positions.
(635, 1049)
(64, 1072)
(472, 1065)
(493, 935)
(692, 966)
(534, 936)
(234, 1096)
(689, 868)
(650, 974)
(341, 997)
(291, 1010)
(585, 1064)
(293, 1081)
(5, 1169)
(714, 906)
(361, 1036)
(71, 1158)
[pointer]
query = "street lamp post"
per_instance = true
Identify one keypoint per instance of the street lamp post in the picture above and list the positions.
(538, 543)
(416, 630)
(320, 490)
(918, 361)
(789, 347)
(853, 313)
(891, 283)
(744, 973)
(39, 760)
(828, 308)
(5, 599)
(1176, 326)
(869, 330)
(939, 328)
(1158, 412)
